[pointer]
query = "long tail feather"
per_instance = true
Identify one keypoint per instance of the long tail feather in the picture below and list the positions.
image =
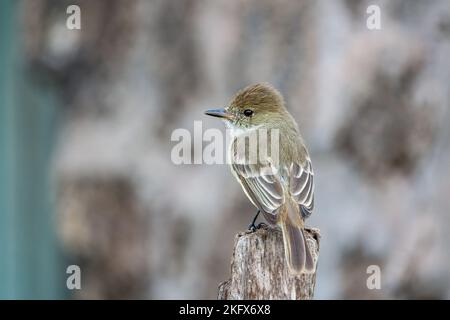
(297, 252)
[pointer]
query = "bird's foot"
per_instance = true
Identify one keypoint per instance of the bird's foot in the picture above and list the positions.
(252, 226)
(261, 225)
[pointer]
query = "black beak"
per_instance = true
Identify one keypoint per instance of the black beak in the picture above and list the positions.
(219, 113)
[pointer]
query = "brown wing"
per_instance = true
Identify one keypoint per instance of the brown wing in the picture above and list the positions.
(302, 186)
(262, 185)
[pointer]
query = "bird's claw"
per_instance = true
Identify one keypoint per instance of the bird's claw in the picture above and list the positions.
(253, 227)
(261, 225)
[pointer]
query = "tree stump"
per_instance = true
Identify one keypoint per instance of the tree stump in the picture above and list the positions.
(259, 270)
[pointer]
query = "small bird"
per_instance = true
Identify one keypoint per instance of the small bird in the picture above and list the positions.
(281, 186)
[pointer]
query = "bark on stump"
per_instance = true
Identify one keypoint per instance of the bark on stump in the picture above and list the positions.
(259, 270)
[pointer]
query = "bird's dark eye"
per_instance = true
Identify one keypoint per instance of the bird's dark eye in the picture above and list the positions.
(248, 112)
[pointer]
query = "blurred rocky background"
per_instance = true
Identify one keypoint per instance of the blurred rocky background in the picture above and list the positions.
(87, 117)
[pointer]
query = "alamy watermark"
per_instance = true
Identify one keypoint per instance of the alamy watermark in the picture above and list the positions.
(252, 145)
(374, 279)
(373, 21)
(73, 21)
(73, 281)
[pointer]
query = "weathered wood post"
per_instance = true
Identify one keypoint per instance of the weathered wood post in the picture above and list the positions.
(259, 270)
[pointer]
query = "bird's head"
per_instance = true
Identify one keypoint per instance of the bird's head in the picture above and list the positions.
(254, 106)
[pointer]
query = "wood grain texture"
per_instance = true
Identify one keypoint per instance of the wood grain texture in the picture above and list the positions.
(259, 270)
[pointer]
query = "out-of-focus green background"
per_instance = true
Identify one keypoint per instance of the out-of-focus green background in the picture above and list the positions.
(30, 262)
(86, 118)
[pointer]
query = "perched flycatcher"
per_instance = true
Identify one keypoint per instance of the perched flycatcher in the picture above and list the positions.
(282, 189)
